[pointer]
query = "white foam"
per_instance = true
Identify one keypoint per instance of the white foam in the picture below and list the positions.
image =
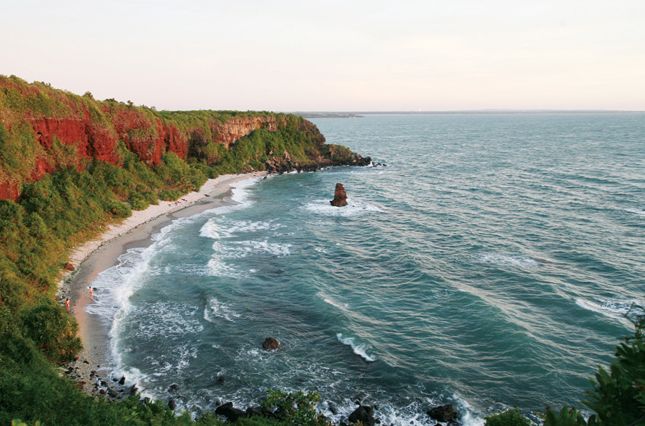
(252, 226)
(218, 268)
(239, 192)
(515, 261)
(353, 208)
(216, 309)
(359, 349)
(330, 301)
(412, 414)
(275, 249)
(216, 228)
(210, 230)
(623, 310)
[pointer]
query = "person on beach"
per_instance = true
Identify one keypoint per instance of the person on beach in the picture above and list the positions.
(68, 304)
(91, 292)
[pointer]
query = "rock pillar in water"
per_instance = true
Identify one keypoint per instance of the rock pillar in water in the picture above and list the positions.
(340, 196)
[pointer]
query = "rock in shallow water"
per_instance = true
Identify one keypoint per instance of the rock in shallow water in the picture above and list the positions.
(444, 413)
(363, 414)
(340, 196)
(231, 413)
(270, 344)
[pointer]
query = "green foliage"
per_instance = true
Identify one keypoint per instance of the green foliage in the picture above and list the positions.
(52, 330)
(565, 417)
(507, 418)
(297, 408)
(618, 394)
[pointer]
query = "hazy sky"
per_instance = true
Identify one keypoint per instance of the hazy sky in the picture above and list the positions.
(334, 55)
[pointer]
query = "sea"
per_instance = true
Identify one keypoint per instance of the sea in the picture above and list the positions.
(493, 260)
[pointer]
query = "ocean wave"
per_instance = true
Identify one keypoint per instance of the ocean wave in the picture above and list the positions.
(353, 208)
(215, 228)
(210, 230)
(216, 309)
(359, 349)
(330, 301)
(516, 261)
(240, 249)
(627, 311)
(252, 226)
(218, 268)
(240, 195)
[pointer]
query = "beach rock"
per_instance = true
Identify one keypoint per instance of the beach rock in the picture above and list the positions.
(270, 344)
(133, 390)
(444, 413)
(231, 413)
(172, 404)
(340, 196)
(173, 388)
(122, 380)
(363, 414)
(69, 267)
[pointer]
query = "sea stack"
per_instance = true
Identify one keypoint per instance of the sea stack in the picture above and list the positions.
(340, 196)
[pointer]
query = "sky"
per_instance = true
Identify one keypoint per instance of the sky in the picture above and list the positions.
(402, 55)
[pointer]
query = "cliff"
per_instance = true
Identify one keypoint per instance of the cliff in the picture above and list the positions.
(43, 129)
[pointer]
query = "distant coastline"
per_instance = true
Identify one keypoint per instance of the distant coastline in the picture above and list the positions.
(358, 114)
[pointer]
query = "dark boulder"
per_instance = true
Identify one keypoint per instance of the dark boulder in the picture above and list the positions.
(172, 404)
(173, 388)
(255, 411)
(270, 344)
(122, 380)
(444, 413)
(231, 413)
(340, 196)
(363, 414)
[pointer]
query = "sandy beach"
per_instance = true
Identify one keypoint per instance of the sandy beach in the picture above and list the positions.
(92, 369)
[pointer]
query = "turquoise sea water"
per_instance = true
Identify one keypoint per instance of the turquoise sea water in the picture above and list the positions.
(495, 261)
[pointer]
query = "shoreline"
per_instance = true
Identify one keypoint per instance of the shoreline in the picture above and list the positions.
(92, 369)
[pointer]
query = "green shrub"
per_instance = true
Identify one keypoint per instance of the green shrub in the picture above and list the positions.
(52, 330)
(618, 394)
(565, 417)
(296, 409)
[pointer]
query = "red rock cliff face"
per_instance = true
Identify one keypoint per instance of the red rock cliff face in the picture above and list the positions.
(88, 130)
(237, 127)
(148, 138)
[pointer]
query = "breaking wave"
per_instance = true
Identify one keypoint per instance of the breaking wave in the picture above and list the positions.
(359, 349)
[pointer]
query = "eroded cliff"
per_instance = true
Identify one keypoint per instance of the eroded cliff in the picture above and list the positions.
(43, 129)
